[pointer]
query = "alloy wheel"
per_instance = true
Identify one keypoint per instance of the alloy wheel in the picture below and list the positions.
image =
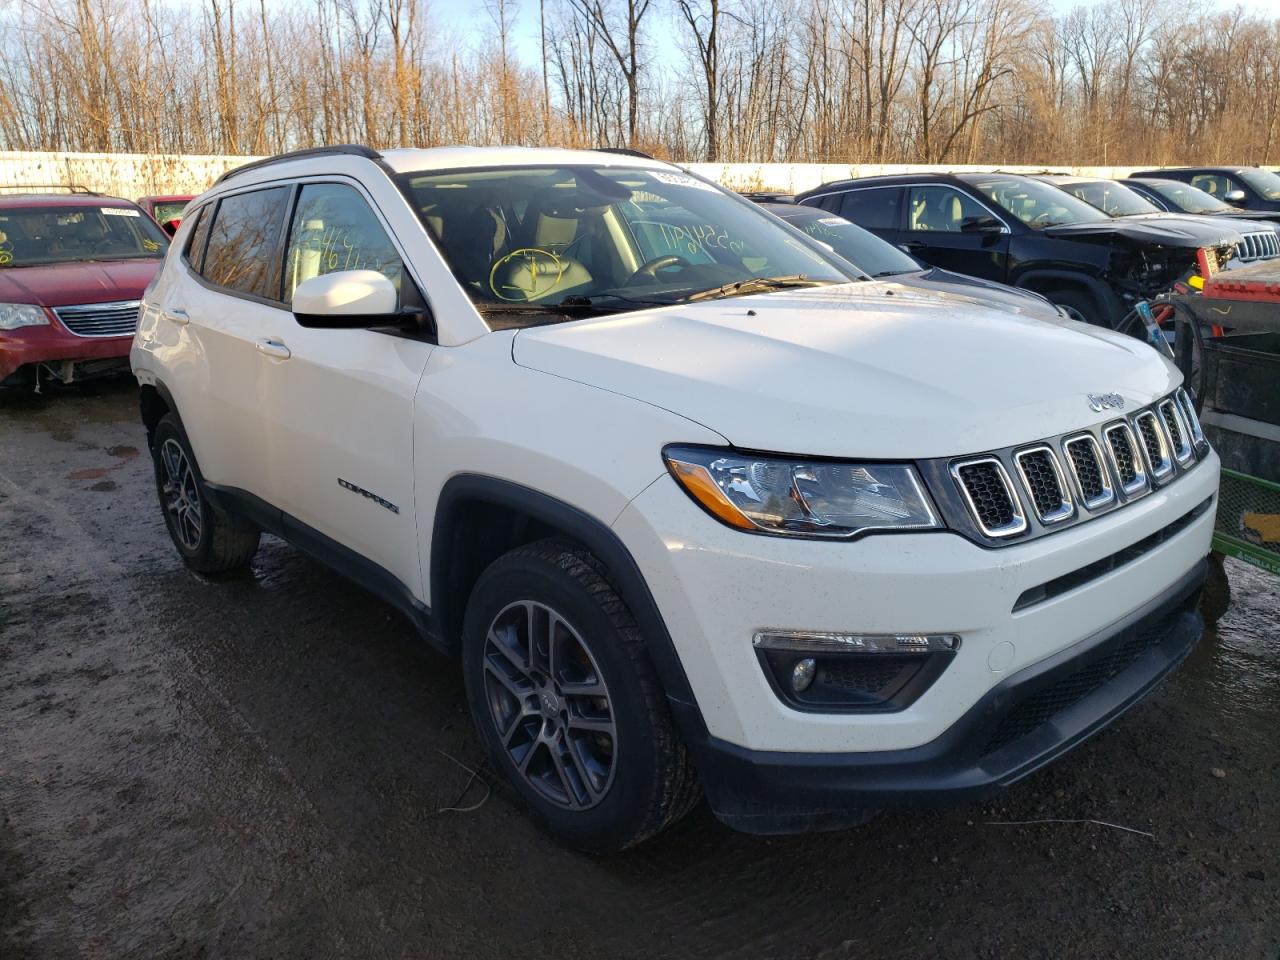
(180, 493)
(550, 705)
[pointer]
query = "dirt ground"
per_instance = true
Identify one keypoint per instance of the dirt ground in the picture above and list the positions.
(274, 767)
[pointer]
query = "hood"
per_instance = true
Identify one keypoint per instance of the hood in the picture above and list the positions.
(61, 284)
(1158, 229)
(873, 369)
(976, 291)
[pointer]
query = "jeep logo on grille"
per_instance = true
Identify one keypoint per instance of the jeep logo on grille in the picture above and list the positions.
(1104, 401)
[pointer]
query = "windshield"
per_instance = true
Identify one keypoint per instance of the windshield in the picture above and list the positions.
(1190, 199)
(1264, 181)
(1036, 204)
(863, 249)
(1113, 199)
(534, 239)
(32, 236)
(170, 210)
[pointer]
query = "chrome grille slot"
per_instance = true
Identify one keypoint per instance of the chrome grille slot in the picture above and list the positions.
(1084, 457)
(990, 496)
(1154, 447)
(1198, 441)
(1125, 459)
(1173, 426)
(117, 319)
(1044, 481)
(1263, 245)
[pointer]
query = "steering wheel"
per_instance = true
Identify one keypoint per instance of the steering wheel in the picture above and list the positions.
(650, 268)
(545, 271)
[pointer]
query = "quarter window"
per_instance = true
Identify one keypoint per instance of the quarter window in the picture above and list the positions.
(941, 209)
(875, 209)
(243, 249)
(199, 234)
(334, 229)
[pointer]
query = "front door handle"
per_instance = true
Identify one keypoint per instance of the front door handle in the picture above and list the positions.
(178, 316)
(273, 348)
(913, 245)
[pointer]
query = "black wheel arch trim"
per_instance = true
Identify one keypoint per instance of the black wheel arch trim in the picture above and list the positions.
(593, 534)
(1046, 280)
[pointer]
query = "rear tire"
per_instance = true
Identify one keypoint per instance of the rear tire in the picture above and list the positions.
(567, 702)
(210, 540)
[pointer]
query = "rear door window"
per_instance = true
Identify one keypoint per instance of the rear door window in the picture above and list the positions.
(874, 208)
(243, 252)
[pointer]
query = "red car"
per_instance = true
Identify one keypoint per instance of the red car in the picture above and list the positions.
(166, 211)
(72, 272)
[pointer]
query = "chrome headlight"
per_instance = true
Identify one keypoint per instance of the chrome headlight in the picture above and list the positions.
(801, 498)
(14, 315)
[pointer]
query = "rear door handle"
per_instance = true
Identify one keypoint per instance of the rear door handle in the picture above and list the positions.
(178, 316)
(913, 245)
(273, 348)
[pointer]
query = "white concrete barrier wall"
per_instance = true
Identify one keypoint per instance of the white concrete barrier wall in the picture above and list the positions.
(135, 175)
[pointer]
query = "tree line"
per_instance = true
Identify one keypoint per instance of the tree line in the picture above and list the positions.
(841, 81)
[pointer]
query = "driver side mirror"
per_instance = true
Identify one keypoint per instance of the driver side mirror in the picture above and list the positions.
(981, 224)
(347, 300)
(1234, 196)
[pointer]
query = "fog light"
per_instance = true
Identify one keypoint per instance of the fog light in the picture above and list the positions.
(802, 674)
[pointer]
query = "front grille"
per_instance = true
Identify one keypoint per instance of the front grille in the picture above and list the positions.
(990, 496)
(118, 319)
(1090, 472)
(1177, 436)
(1153, 444)
(1044, 481)
(1264, 245)
(1124, 457)
(1039, 708)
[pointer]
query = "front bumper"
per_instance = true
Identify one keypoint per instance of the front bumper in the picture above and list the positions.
(1021, 724)
(53, 345)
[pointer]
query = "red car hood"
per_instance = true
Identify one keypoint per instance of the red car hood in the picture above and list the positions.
(60, 284)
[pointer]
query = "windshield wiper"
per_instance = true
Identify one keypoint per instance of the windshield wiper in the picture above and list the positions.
(755, 285)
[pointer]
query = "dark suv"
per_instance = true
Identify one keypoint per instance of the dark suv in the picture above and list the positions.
(1250, 188)
(1025, 233)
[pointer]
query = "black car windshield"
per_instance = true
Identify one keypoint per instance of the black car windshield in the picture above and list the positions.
(1264, 181)
(1113, 199)
(1034, 203)
(37, 235)
(542, 240)
(1190, 199)
(862, 248)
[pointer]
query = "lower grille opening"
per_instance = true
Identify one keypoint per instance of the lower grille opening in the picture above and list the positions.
(1039, 708)
(1078, 578)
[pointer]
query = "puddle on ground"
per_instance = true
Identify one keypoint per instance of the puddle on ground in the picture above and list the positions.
(1235, 669)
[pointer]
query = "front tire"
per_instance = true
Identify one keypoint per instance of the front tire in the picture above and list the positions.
(209, 540)
(567, 702)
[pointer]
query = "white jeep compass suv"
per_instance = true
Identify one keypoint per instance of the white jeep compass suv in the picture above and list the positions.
(701, 507)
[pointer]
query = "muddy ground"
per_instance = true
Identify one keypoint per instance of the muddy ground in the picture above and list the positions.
(274, 767)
